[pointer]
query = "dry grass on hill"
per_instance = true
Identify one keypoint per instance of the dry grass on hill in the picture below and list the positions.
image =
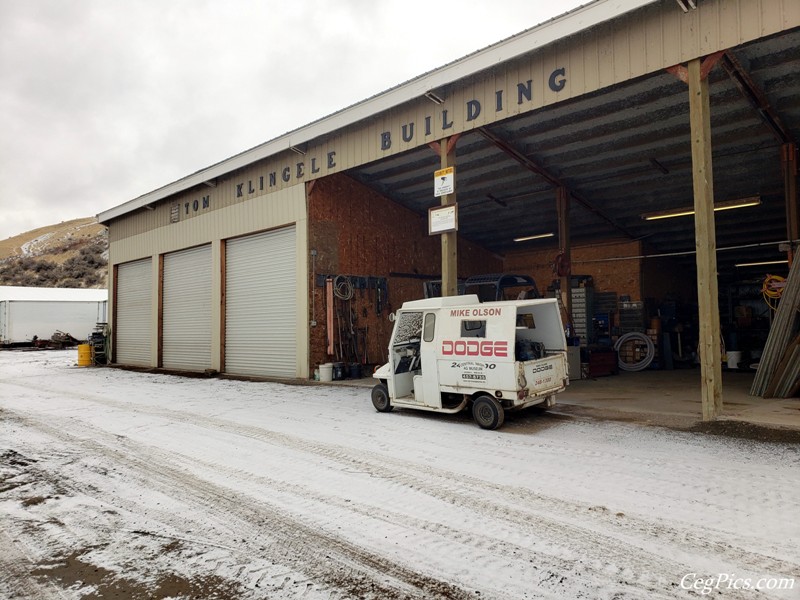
(68, 254)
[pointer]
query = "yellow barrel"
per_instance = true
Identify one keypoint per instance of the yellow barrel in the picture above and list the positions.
(84, 355)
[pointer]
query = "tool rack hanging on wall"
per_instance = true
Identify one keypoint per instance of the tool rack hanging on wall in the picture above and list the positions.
(349, 299)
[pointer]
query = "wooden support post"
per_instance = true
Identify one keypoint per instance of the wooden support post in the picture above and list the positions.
(447, 152)
(789, 162)
(564, 245)
(705, 243)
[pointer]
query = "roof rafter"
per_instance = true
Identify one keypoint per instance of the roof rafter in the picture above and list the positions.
(532, 166)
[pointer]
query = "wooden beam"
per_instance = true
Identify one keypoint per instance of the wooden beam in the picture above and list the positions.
(565, 249)
(449, 238)
(114, 301)
(160, 293)
(789, 163)
(705, 243)
(756, 97)
(223, 300)
(708, 64)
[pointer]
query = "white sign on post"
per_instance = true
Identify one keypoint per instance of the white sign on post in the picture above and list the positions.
(442, 219)
(444, 181)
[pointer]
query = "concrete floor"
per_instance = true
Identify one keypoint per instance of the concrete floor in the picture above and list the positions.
(675, 396)
(669, 398)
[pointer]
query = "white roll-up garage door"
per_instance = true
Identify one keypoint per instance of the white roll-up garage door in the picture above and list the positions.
(261, 304)
(134, 313)
(186, 316)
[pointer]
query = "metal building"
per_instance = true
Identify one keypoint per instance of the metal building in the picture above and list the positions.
(563, 137)
(30, 313)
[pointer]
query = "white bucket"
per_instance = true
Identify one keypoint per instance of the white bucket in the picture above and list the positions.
(734, 358)
(326, 372)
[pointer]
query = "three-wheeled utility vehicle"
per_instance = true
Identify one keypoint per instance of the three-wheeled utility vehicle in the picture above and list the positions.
(447, 354)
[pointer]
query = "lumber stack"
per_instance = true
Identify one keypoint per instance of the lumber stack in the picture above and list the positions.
(778, 373)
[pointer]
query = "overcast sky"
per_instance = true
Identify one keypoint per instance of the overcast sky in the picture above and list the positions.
(102, 101)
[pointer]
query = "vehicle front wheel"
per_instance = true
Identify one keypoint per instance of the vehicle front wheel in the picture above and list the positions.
(487, 412)
(380, 398)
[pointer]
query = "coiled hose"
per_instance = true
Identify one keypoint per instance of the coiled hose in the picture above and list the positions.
(635, 337)
(771, 290)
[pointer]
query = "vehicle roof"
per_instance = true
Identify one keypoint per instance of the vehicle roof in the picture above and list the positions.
(470, 301)
(504, 279)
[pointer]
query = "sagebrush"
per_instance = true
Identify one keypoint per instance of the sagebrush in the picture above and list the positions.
(86, 269)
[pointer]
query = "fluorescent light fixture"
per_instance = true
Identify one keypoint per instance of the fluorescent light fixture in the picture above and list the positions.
(763, 263)
(299, 149)
(534, 237)
(683, 212)
(434, 97)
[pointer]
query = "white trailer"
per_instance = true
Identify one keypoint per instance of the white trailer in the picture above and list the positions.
(28, 313)
(448, 354)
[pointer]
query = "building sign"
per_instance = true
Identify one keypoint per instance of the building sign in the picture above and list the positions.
(442, 219)
(440, 122)
(445, 121)
(444, 181)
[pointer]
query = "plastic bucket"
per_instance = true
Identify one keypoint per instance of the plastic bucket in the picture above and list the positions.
(84, 355)
(338, 371)
(326, 372)
(734, 358)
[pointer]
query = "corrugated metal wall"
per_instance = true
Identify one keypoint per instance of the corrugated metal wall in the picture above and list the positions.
(134, 311)
(286, 208)
(260, 312)
(186, 313)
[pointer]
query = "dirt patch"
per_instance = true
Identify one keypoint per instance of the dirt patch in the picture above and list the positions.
(748, 431)
(93, 582)
(34, 500)
(15, 459)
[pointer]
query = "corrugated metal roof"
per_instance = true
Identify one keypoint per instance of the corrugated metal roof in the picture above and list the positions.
(39, 294)
(622, 152)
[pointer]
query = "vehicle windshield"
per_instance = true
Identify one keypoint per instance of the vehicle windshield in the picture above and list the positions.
(408, 327)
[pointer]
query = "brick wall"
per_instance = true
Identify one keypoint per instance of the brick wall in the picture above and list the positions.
(620, 276)
(665, 278)
(358, 232)
(641, 279)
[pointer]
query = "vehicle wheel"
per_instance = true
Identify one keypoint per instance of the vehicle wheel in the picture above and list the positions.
(380, 398)
(487, 412)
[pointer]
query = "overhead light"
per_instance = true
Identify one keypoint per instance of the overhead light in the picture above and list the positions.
(761, 264)
(299, 149)
(534, 237)
(434, 97)
(687, 4)
(689, 210)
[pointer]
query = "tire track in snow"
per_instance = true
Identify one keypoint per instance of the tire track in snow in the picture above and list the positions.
(452, 489)
(550, 517)
(343, 569)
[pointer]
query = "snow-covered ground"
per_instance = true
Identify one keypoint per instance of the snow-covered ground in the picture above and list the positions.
(131, 485)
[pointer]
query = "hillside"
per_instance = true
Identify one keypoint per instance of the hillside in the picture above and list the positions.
(70, 254)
